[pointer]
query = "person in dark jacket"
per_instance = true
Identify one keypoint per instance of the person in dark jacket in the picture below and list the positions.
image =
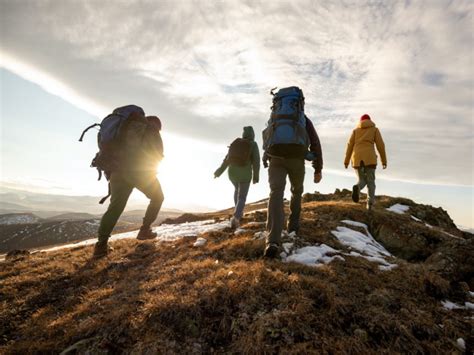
(288, 160)
(138, 165)
(242, 175)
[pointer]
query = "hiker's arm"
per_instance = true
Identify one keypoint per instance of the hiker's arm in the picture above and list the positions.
(221, 169)
(315, 146)
(349, 149)
(255, 163)
(380, 147)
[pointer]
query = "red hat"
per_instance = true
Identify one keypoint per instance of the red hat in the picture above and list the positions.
(365, 117)
(155, 121)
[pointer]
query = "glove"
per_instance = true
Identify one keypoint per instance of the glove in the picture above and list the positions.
(346, 165)
(385, 166)
(317, 177)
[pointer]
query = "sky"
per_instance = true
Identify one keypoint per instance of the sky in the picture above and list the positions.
(206, 69)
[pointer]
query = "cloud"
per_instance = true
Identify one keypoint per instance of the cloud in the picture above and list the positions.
(206, 67)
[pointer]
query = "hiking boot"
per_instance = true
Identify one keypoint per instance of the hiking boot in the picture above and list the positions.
(146, 234)
(271, 251)
(294, 230)
(100, 250)
(355, 193)
(234, 223)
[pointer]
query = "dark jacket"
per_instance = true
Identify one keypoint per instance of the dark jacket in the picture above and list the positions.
(297, 151)
(248, 172)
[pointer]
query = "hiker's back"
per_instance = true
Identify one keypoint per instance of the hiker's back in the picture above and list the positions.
(364, 143)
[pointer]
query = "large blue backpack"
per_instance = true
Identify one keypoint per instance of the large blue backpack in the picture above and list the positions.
(111, 130)
(287, 123)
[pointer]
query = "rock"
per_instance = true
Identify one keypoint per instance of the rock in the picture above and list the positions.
(17, 254)
(454, 261)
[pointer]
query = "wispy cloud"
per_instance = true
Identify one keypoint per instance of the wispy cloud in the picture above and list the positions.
(207, 67)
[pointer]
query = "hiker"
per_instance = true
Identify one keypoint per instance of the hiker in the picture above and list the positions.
(130, 150)
(286, 139)
(243, 160)
(360, 148)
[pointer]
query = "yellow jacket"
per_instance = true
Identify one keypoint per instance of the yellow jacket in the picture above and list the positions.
(360, 146)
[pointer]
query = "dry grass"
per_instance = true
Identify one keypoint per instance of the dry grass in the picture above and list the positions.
(224, 298)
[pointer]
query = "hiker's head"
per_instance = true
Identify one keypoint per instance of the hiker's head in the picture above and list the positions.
(248, 133)
(365, 117)
(155, 121)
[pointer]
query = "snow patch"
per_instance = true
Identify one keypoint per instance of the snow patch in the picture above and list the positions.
(240, 231)
(166, 233)
(365, 245)
(398, 208)
(451, 305)
(313, 255)
(461, 344)
(200, 242)
(416, 219)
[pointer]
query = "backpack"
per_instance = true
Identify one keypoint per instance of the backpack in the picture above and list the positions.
(287, 123)
(239, 152)
(113, 131)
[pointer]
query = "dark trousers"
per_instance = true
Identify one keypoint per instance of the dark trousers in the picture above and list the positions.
(241, 190)
(121, 186)
(278, 170)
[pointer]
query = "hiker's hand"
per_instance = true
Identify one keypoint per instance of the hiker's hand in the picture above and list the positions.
(215, 176)
(255, 181)
(346, 165)
(385, 166)
(317, 177)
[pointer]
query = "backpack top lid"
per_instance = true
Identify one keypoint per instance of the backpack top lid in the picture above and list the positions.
(110, 125)
(289, 91)
(128, 110)
(288, 103)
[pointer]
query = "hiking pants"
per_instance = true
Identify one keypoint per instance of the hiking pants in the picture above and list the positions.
(278, 169)
(240, 196)
(367, 177)
(121, 186)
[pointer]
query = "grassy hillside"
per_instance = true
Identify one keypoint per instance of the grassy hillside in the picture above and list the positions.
(223, 297)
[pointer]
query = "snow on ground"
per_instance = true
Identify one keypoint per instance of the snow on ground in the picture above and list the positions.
(240, 231)
(200, 242)
(461, 344)
(166, 233)
(451, 305)
(363, 245)
(398, 208)
(254, 224)
(416, 219)
(313, 255)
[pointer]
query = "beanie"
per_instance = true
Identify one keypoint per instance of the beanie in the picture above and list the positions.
(365, 117)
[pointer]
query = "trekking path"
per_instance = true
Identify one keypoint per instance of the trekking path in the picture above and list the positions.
(394, 280)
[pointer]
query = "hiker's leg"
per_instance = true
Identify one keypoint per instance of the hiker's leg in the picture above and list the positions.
(276, 214)
(370, 176)
(120, 191)
(241, 198)
(236, 192)
(296, 174)
(361, 176)
(151, 187)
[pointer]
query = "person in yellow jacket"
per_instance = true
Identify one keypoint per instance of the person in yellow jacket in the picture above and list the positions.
(360, 149)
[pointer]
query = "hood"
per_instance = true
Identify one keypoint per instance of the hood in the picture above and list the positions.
(365, 124)
(248, 133)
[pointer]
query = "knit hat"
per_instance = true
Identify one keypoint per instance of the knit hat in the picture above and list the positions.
(365, 117)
